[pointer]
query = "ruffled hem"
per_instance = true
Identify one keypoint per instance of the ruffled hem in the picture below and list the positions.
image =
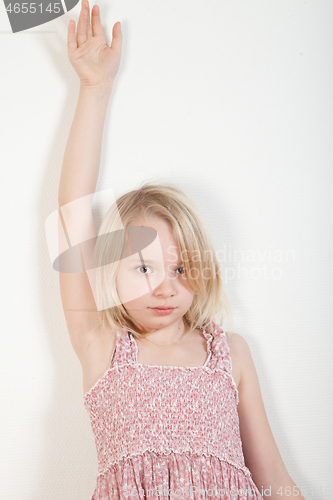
(183, 476)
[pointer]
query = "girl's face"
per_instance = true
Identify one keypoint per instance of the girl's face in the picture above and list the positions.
(157, 281)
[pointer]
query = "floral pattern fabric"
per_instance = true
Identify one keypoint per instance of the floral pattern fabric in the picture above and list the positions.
(165, 432)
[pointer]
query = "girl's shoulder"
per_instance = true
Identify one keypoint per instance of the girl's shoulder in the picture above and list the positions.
(235, 340)
(243, 366)
(238, 349)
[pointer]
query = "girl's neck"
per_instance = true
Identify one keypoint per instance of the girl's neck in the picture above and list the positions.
(174, 340)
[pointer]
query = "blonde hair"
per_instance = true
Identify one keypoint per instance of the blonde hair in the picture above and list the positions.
(168, 202)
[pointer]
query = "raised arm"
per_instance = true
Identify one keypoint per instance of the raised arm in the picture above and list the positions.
(96, 65)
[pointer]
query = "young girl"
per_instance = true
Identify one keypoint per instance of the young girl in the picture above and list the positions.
(174, 400)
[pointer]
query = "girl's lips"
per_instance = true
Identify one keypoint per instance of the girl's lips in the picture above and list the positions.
(162, 311)
(162, 307)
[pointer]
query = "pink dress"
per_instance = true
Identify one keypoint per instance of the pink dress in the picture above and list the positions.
(168, 432)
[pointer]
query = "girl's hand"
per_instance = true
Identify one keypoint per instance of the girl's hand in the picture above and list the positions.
(93, 60)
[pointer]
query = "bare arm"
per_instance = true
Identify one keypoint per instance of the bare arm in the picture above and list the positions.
(261, 453)
(78, 179)
(96, 65)
(81, 161)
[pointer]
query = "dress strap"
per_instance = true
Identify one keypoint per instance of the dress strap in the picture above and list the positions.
(220, 349)
(123, 352)
(219, 356)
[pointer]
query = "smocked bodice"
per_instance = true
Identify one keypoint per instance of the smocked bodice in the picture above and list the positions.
(136, 408)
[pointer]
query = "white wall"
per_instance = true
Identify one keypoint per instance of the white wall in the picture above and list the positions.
(233, 101)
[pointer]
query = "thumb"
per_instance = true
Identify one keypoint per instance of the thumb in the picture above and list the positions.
(117, 37)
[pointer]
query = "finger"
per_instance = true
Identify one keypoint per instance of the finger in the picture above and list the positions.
(117, 37)
(82, 23)
(89, 29)
(71, 39)
(97, 27)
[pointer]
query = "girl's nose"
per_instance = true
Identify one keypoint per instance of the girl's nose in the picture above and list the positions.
(168, 285)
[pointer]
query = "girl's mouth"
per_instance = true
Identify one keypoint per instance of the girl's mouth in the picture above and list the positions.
(161, 311)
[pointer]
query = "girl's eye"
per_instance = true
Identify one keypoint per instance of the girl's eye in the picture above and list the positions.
(144, 267)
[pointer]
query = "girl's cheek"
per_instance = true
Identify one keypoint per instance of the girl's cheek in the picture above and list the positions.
(132, 287)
